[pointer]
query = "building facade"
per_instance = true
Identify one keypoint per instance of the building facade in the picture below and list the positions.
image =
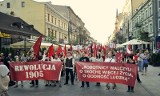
(40, 14)
(76, 25)
(130, 7)
(143, 23)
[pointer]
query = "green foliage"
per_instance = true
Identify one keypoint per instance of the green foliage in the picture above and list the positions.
(143, 35)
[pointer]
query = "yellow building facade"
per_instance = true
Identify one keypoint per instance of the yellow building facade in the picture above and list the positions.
(40, 14)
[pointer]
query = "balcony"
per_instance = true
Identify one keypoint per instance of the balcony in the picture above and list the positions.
(138, 24)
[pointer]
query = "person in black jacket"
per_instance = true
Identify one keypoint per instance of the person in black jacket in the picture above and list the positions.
(69, 67)
(131, 61)
(84, 58)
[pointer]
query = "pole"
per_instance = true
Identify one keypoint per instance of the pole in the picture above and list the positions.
(155, 21)
(25, 41)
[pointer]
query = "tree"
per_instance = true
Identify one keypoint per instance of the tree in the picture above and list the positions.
(143, 35)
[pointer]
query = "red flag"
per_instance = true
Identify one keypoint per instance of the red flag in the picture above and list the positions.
(105, 50)
(50, 51)
(59, 50)
(71, 47)
(95, 50)
(65, 51)
(36, 46)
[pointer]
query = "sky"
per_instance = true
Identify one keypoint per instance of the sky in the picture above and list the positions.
(98, 15)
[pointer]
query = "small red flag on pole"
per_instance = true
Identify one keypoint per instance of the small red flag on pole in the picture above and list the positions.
(36, 46)
(50, 51)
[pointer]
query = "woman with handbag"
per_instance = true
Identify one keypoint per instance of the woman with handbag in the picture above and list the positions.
(145, 63)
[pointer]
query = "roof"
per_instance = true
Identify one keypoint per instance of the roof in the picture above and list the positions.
(16, 26)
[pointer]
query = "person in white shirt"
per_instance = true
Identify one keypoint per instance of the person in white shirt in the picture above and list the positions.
(92, 58)
(140, 60)
(99, 59)
(57, 59)
(4, 80)
(110, 59)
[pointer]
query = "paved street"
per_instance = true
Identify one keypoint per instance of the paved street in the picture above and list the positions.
(149, 87)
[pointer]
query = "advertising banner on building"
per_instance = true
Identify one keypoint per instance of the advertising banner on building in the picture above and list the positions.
(35, 70)
(107, 72)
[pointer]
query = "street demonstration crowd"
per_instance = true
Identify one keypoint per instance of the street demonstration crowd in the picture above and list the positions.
(140, 58)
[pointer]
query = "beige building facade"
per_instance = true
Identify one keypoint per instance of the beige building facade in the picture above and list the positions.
(41, 15)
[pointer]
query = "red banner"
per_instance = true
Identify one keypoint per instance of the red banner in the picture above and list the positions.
(107, 72)
(35, 70)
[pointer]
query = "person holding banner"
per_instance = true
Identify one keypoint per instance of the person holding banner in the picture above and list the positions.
(130, 61)
(110, 58)
(56, 59)
(4, 80)
(17, 60)
(69, 67)
(99, 59)
(33, 58)
(84, 58)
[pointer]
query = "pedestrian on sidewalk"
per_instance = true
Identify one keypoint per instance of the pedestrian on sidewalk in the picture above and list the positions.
(4, 80)
(140, 60)
(84, 58)
(110, 58)
(145, 63)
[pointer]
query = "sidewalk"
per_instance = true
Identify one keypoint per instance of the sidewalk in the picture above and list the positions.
(150, 86)
(151, 82)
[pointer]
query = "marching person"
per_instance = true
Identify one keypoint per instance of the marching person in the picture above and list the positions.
(84, 58)
(17, 60)
(56, 59)
(69, 67)
(99, 59)
(110, 58)
(33, 58)
(7, 61)
(4, 80)
(130, 61)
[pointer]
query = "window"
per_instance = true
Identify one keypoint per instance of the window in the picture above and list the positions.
(150, 10)
(48, 17)
(59, 35)
(58, 22)
(55, 21)
(146, 13)
(151, 28)
(23, 4)
(55, 34)
(52, 34)
(49, 33)
(62, 24)
(52, 19)
(8, 5)
(159, 24)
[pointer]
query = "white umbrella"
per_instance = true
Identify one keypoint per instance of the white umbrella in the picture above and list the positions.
(21, 44)
(119, 46)
(135, 42)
